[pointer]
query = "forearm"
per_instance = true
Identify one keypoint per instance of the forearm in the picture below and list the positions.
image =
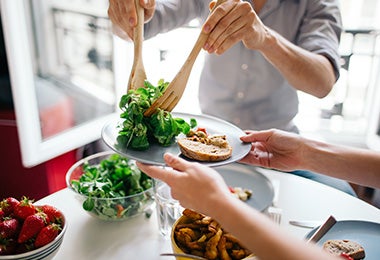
(306, 71)
(261, 235)
(355, 165)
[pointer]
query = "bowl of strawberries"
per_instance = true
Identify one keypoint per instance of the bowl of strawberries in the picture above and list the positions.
(29, 231)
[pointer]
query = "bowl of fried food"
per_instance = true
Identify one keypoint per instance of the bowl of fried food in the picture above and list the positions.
(197, 234)
(110, 187)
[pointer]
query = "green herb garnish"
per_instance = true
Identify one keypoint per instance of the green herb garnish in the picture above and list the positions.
(138, 131)
(113, 178)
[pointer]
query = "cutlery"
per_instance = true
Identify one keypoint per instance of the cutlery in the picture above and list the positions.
(138, 75)
(305, 223)
(274, 212)
(322, 230)
(183, 256)
(176, 87)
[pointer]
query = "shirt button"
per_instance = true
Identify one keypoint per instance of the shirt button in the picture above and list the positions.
(240, 95)
(244, 66)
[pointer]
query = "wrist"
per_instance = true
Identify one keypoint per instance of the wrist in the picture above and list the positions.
(315, 155)
(270, 41)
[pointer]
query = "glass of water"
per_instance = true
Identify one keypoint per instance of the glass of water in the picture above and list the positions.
(168, 209)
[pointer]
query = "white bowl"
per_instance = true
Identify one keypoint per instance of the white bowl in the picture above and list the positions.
(45, 252)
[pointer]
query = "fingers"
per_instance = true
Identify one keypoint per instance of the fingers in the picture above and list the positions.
(149, 8)
(153, 171)
(227, 39)
(216, 15)
(116, 30)
(123, 16)
(176, 162)
(147, 4)
(123, 12)
(212, 4)
(258, 156)
(225, 22)
(257, 136)
(228, 24)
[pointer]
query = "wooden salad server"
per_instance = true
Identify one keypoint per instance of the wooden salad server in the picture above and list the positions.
(176, 87)
(138, 75)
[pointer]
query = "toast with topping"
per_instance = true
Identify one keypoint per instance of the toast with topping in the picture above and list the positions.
(200, 146)
(344, 246)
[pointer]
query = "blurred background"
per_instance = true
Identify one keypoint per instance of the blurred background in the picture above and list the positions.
(62, 73)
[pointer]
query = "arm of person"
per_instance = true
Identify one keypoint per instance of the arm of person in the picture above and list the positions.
(357, 165)
(308, 71)
(260, 234)
(202, 189)
(287, 152)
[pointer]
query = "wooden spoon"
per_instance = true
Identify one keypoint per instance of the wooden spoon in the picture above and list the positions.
(138, 75)
(176, 87)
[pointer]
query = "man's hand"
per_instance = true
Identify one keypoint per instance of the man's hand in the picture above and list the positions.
(231, 22)
(122, 14)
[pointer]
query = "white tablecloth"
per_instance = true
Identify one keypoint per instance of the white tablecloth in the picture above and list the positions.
(138, 238)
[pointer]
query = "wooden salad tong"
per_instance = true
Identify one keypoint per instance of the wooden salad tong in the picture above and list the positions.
(138, 75)
(176, 87)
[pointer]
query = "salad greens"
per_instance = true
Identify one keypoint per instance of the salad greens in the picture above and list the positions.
(107, 183)
(138, 131)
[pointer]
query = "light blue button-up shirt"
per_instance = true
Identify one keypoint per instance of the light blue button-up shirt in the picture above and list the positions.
(241, 86)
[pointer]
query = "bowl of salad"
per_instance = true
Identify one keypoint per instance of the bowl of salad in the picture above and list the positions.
(110, 187)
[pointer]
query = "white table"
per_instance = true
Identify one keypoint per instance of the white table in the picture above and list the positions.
(138, 238)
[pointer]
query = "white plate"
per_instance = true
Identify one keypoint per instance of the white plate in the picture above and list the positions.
(245, 176)
(154, 154)
(363, 232)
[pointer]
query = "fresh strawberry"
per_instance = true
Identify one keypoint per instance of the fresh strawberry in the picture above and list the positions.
(55, 216)
(47, 234)
(24, 209)
(2, 214)
(24, 247)
(7, 246)
(9, 228)
(8, 205)
(32, 226)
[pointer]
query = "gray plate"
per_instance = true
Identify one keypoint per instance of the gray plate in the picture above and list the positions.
(245, 176)
(363, 232)
(154, 154)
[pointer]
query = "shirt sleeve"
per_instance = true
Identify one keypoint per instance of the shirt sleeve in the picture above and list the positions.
(321, 29)
(172, 14)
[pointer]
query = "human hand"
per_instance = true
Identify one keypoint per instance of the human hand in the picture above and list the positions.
(123, 16)
(196, 186)
(231, 22)
(274, 149)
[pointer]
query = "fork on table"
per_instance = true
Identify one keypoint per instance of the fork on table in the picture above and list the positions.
(274, 212)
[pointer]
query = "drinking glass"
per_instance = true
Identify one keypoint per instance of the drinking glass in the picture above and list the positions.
(168, 209)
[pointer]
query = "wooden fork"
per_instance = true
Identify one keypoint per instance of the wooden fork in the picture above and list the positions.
(138, 75)
(176, 87)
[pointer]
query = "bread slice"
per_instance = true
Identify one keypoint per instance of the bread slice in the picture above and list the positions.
(351, 248)
(199, 151)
